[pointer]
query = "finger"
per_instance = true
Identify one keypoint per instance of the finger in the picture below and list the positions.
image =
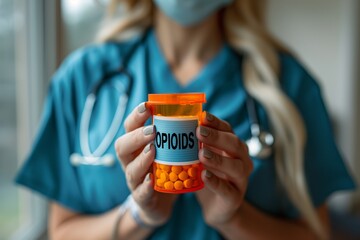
(207, 119)
(232, 168)
(248, 162)
(225, 141)
(145, 191)
(221, 141)
(137, 117)
(137, 169)
(218, 173)
(219, 186)
(130, 143)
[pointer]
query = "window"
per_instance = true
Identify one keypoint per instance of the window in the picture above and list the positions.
(9, 207)
(27, 56)
(30, 50)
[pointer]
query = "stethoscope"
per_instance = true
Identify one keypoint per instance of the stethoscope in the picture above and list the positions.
(260, 144)
(98, 156)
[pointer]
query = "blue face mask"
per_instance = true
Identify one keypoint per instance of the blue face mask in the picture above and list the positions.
(190, 12)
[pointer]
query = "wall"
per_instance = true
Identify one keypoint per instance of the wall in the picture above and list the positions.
(325, 36)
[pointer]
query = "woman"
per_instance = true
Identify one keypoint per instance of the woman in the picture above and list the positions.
(222, 48)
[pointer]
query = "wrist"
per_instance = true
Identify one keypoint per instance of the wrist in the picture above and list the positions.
(149, 221)
(139, 217)
(126, 227)
(234, 222)
(229, 224)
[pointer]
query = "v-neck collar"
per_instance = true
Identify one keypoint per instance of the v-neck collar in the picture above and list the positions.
(164, 74)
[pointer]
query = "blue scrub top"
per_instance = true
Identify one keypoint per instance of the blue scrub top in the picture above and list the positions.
(97, 189)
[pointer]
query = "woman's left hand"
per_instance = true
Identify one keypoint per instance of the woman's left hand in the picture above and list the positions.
(228, 167)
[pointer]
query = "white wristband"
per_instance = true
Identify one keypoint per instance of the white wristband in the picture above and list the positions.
(135, 213)
(121, 212)
(131, 205)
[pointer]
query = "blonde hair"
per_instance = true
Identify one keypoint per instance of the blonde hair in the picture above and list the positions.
(245, 30)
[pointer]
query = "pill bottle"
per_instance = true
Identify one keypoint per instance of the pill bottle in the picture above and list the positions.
(176, 168)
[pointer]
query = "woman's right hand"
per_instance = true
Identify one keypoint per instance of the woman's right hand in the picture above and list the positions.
(136, 152)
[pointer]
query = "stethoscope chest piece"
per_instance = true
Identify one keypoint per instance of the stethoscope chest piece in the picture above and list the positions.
(260, 144)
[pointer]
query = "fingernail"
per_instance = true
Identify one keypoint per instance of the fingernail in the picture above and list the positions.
(204, 131)
(209, 117)
(208, 174)
(141, 107)
(148, 130)
(148, 147)
(147, 177)
(208, 154)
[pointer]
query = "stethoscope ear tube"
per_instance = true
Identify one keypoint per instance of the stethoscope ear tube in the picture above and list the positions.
(97, 157)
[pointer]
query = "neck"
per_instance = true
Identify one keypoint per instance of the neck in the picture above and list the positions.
(179, 44)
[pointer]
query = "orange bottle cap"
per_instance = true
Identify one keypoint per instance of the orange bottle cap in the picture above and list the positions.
(177, 98)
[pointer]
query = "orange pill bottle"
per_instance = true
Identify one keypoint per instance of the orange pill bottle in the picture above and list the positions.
(176, 168)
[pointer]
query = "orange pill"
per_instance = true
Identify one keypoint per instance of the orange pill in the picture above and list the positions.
(169, 185)
(192, 172)
(178, 185)
(183, 175)
(166, 168)
(176, 169)
(188, 183)
(173, 176)
(159, 183)
(162, 180)
(157, 173)
(164, 176)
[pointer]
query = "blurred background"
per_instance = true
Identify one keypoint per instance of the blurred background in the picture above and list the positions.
(35, 35)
